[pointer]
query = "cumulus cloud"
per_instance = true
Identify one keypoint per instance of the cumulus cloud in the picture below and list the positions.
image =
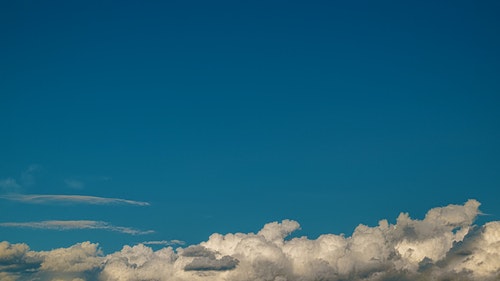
(140, 263)
(445, 245)
(15, 258)
(83, 199)
(11, 252)
(81, 257)
(75, 224)
(209, 263)
(77, 262)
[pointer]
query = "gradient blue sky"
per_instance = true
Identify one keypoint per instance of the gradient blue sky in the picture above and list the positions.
(226, 115)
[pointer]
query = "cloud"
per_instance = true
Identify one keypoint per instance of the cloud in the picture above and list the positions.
(82, 199)
(28, 176)
(11, 252)
(205, 260)
(479, 252)
(9, 185)
(140, 263)
(75, 224)
(15, 259)
(74, 184)
(6, 276)
(26, 179)
(164, 242)
(445, 245)
(73, 263)
(81, 257)
(208, 264)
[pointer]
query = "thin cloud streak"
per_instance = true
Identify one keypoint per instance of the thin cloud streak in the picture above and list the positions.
(75, 224)
(164, 242)
(82, 199)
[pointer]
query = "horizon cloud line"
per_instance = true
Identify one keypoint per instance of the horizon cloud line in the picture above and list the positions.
(444, 245)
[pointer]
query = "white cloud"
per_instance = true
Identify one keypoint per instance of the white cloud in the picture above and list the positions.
(75, 224)
(81, 257)
(72, 263)
(445, 245)
(140, 263)
(83, 199)
(479, 252)
(16, 258)
(12, 252)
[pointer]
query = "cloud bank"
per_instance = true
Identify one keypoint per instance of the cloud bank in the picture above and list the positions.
(74, 224)
(445, 245)
(83, 199)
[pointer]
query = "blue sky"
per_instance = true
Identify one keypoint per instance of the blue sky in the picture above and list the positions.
(226, 115)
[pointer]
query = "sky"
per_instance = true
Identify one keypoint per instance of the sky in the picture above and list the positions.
(129, 122)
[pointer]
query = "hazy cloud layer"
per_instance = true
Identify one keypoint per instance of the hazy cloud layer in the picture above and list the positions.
(74, 224)
(445, 245)
(83, 199)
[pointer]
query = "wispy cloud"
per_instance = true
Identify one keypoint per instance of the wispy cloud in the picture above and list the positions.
(26, 179)
(9, 184)
(28, 176)
(164, 242)
(74, 184)
(75, 224)
(82, 199)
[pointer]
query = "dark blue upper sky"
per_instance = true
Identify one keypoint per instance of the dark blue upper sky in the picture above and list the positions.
(226, 115)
